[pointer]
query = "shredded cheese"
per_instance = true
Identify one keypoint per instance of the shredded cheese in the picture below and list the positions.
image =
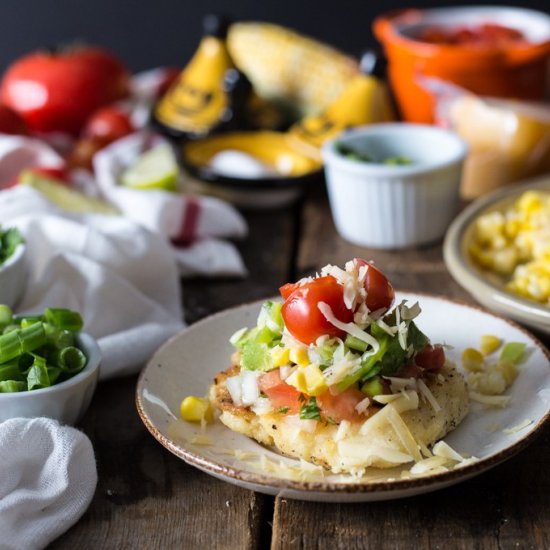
(498, 401)
(428, 395)
(518, 427)
(349, 328)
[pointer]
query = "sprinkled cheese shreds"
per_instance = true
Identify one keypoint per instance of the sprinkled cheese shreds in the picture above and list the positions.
(518, 427)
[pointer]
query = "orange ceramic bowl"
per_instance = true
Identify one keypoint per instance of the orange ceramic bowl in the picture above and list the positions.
(506, 69)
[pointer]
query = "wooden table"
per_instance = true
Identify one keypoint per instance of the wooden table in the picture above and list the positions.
(148, 498)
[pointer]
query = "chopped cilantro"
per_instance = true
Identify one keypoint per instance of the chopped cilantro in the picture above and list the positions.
(284, 410)
(310, 410)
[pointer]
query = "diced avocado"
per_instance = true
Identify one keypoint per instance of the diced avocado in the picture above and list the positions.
(256, 356)
(373, 387)
(512, 353)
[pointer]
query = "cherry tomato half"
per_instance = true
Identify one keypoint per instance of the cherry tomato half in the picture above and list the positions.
(431, 357)
(301, 313)
(380, 293)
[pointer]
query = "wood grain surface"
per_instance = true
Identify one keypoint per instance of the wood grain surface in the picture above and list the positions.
(148, 498)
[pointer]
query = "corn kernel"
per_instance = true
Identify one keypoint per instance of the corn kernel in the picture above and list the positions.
(489, 344)
(308, 380)
(529, 202)
(472, 360)
(280, 356)
(196, 409)
(299, 356)
(508, 371)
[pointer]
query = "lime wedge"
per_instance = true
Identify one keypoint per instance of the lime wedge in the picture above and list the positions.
(155, 169)
(64, 197)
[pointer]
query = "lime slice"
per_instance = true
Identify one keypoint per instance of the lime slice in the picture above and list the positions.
(155, 169)
(64, 197)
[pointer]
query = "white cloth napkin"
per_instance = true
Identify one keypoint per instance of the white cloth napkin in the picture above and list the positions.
(199, 222)
(121, 277)
(47, 480)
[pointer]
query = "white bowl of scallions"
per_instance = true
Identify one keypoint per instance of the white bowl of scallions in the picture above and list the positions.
(48, 366)
(13, 266)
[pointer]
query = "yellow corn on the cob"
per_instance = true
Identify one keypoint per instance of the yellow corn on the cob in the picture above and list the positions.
(289, 67)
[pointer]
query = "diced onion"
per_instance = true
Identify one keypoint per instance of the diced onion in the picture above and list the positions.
(350, 328)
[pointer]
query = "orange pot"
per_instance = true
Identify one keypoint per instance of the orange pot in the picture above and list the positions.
(508, 70)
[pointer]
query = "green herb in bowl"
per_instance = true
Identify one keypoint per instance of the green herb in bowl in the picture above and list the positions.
(352, 154)
(10, 239)
(39, 351)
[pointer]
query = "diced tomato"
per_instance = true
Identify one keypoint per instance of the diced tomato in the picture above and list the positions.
(380, 293)
(431, 357)
(410, 371)
(281, 394)
(342, 406)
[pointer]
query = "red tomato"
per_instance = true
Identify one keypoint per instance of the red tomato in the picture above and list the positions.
(107, 125)
(11, 122)
(288, 289)
(281, 394)
(301, 314)
(57, 92)
(342, 406)
(380, 293)
(431, 357)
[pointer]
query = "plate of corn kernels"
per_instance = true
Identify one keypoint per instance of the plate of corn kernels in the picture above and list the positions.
(498, 249)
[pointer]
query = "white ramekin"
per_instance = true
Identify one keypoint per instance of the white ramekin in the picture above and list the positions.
(387, 206)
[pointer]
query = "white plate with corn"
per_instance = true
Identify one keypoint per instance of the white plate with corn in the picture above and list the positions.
(498, 249)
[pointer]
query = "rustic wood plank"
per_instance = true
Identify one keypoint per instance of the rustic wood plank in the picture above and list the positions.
(268, 255)
(148, 498)
(507, 507)
(418, 269)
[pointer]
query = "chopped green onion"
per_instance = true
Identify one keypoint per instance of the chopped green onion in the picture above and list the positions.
(37, 351)
(6, 316)
(354, 343)
(12, 386)
(70, 360)
(19, 341)
(64, 319)
(38, 375)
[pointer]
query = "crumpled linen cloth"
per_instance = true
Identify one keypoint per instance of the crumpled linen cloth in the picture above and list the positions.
(47, 480)
(121, 277)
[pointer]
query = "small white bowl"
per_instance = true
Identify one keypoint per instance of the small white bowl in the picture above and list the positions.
(387, 206)
(67, 401)
(13, 276)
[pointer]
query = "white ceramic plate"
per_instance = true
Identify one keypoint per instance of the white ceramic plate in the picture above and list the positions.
(187, 363)
(487, 288)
